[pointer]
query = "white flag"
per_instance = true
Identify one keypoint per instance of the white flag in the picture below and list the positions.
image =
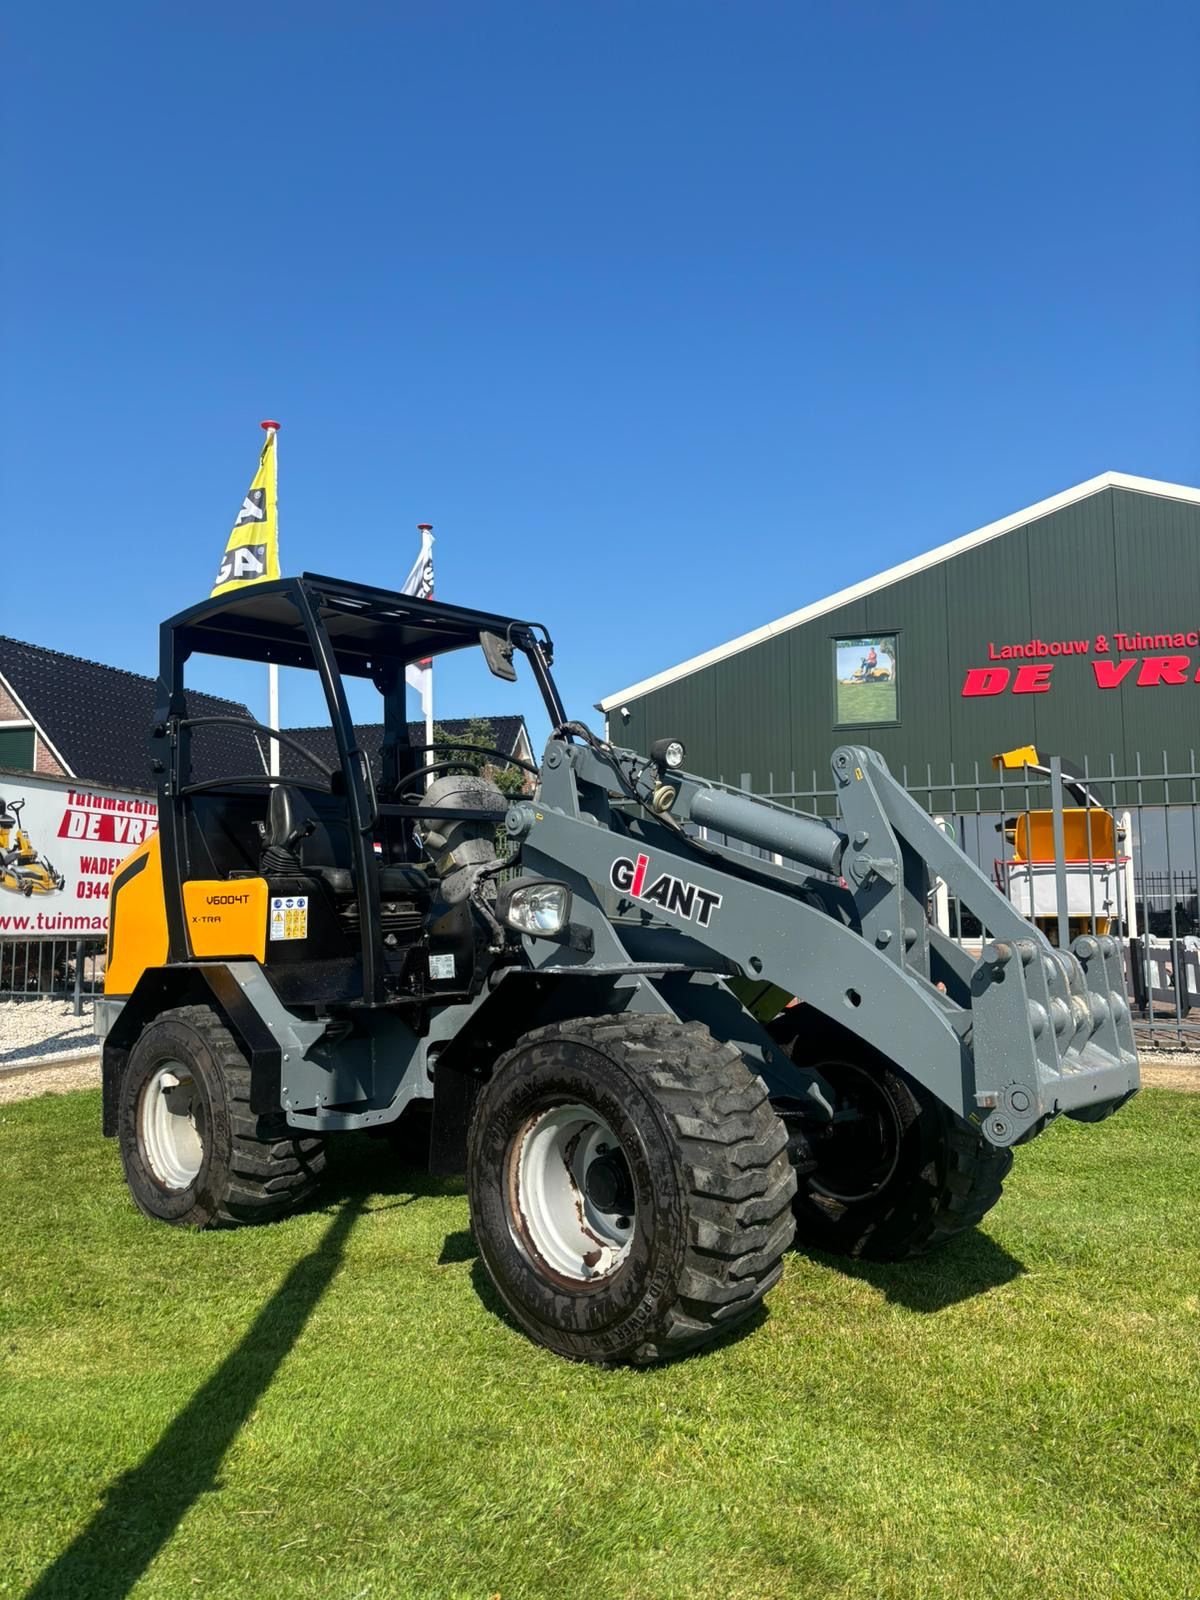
(419, 583)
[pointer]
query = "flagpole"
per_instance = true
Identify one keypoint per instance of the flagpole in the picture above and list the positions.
(271, 429)
(423, 528)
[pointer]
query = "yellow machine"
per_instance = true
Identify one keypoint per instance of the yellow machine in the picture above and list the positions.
(1092, 854)
(22, 870)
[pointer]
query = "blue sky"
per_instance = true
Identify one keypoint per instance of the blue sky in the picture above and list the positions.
(671, 317)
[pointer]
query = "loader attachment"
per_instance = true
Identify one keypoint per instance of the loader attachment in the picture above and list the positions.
(1007, 1037)
(1051, 1029)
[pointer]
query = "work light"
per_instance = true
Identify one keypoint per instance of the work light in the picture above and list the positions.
(667, 752)
(535, 906)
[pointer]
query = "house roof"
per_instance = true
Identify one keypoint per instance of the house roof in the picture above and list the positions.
(95, 719)
(507, 732)
(906, 569)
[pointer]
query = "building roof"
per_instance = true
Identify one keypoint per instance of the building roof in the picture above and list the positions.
(509, 734)
(906, 569)
(95, 719)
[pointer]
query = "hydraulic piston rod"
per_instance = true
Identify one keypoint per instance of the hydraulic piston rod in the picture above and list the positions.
(813, 843)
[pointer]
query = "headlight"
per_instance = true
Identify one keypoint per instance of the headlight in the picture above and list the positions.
(667, 753)
(539, 907)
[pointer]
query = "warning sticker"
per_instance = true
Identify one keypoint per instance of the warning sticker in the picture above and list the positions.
(289, 916)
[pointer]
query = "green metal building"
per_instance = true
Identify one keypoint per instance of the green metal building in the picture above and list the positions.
(1073, 625)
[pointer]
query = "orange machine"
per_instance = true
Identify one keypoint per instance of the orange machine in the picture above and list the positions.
(1092, 853)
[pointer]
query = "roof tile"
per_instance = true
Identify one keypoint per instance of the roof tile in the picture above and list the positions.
(98, 717)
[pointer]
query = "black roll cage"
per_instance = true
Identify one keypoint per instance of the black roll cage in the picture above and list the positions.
(335, 628)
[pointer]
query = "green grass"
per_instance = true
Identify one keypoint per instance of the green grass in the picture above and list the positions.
(866, 702)
(334, 1406)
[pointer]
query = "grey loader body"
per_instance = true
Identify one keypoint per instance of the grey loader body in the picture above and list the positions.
(664, 1027)
(1007, 1040)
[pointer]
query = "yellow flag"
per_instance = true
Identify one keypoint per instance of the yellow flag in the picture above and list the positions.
(252, 554)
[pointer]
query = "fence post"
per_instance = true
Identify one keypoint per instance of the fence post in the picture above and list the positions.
(79, 977)
(941, 892)
(1060, 853)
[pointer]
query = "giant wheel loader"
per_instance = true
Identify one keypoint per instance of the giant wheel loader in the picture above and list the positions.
(655, 1057)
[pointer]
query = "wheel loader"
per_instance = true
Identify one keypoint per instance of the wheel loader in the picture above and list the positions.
(656, 1058)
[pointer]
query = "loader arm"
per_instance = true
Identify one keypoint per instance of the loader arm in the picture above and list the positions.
(1007, 1039)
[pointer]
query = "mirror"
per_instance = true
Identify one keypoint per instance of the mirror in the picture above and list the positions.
(498, 653)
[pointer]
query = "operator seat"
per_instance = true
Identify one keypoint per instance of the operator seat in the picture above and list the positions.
(296, 839)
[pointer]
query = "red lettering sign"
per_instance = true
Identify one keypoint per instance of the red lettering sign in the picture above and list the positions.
(105, 828)
(1110, 673)
(1033, 680)
(1151, 670)
(1164, 669)
(985, 680)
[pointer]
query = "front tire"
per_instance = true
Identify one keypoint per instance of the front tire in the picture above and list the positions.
(629, 1186)
(898, 1174)
(194, 1154)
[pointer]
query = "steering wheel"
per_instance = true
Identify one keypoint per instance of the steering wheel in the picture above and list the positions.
(418, 779)
(480, 750)
(416, 782)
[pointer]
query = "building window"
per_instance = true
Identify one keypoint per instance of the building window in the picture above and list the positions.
(866, 680)
(16, 746)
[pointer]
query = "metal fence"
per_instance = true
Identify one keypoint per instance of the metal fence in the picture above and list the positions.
(1140, 882)
(71, 969)
(1136, 878)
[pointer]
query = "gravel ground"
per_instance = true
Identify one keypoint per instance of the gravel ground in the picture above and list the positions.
(1172, 1072)
(41, 1030)
(84, 1074)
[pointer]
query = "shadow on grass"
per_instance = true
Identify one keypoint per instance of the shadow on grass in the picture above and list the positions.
(375, 1169)
(143, 1507)
(458, 1247)
(968, 1266)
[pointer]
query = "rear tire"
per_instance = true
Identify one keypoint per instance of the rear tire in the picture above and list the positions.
(194, 1153)
(904, 1176)
(630, 1188)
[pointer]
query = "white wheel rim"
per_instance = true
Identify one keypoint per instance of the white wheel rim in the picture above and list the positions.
(170, 1140)
(570, 1196)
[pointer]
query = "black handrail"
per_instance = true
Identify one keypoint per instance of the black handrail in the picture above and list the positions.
(445, 813)
(415, 813)
(258, 727)
(450, 745)
(256, 780)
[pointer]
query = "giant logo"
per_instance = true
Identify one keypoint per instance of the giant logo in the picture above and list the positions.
(672, 894)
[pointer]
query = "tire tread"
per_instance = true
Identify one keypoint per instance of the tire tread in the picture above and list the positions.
(731, 1150)
(270, 1171)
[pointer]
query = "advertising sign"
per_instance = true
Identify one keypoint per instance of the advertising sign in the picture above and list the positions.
(1145, 660)
(59, 847)
(865, 679)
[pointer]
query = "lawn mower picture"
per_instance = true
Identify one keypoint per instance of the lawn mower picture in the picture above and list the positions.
(866, 674)
(22, 869)
(875, 664)
(875, 667)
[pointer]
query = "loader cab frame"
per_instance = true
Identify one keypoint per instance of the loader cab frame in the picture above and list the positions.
(338, 630)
